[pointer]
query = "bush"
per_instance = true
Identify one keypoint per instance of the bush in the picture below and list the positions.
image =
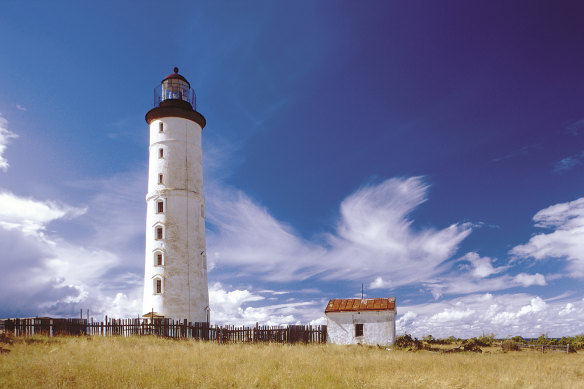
(406, 341)
(432, 340)
(543, 339)
(510, 345)
(478, 342)
(451, 339)
(486, 340)
(473, 344)
(6, 339)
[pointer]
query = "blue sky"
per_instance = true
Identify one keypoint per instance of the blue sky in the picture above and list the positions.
(432, 151)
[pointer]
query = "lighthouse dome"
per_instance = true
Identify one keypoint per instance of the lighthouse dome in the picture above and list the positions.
(176, 76)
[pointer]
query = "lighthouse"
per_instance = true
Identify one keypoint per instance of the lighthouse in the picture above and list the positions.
(175, 276)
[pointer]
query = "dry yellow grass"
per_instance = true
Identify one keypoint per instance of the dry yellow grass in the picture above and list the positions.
(150, 362)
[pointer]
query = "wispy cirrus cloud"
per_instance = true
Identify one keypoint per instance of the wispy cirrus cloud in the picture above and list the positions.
(524, 150)
(5, 137)
(476, 274)
(568, 163)
(373, 236)
(566, 240)
(576, 127)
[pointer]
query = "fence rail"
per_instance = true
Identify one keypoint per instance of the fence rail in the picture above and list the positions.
(166, 328)
(565, 348)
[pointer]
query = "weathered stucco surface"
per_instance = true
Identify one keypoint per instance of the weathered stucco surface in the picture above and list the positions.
(184, 269)
(378, 327)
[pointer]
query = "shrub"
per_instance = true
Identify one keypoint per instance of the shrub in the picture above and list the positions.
(510, 345)
(6, 339)
(486, 340)
(472, 344)
(477, 342)
(543, 339)
(406, 341)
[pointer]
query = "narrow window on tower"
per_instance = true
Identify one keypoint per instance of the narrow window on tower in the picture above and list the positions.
(203, 211)
(160, 153)
(158, 259)
(159, 233)
(160, 127)
(157, 286)
(160, 178)
(160, 206)
(358, 330)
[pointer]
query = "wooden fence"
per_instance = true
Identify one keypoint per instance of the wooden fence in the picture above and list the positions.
(565, 348)
(166, 328)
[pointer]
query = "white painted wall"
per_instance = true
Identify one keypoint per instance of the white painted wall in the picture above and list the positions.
(184, 272)
(378, 327)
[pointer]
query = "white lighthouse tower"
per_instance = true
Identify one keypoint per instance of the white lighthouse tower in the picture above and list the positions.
(175, 276)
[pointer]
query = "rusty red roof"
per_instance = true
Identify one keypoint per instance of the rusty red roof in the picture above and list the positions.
(354, 305)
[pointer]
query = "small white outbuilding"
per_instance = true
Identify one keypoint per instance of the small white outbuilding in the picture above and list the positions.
(361, 321)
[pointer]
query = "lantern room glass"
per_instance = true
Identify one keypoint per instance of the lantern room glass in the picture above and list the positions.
(174, 89)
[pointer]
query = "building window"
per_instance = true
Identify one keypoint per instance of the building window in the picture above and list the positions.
(157, 286)
(160, 178)
(160, 127)
(158, 259)
(160, 206)
(358, 330)
(203, 211)
(160, 153)
(159, 233)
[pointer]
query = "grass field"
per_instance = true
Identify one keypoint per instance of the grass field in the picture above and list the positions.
(149, 362)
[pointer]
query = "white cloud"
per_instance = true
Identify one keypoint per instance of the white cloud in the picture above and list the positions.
(452, 315)
(565, 241)
(247, 236)
(373, 236)
(479, 276)
(31, 216)
(567, 310)
(5, 137)
(504, 315)
(244, 307)
(47, 274)
(116, 210)
(379, 283)
(318, 322)
(406, 319)
(536, 305)
(530, 279)
(20, 107)
(481, 266)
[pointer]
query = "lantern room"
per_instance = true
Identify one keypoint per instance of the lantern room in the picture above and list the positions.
(174, 87)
